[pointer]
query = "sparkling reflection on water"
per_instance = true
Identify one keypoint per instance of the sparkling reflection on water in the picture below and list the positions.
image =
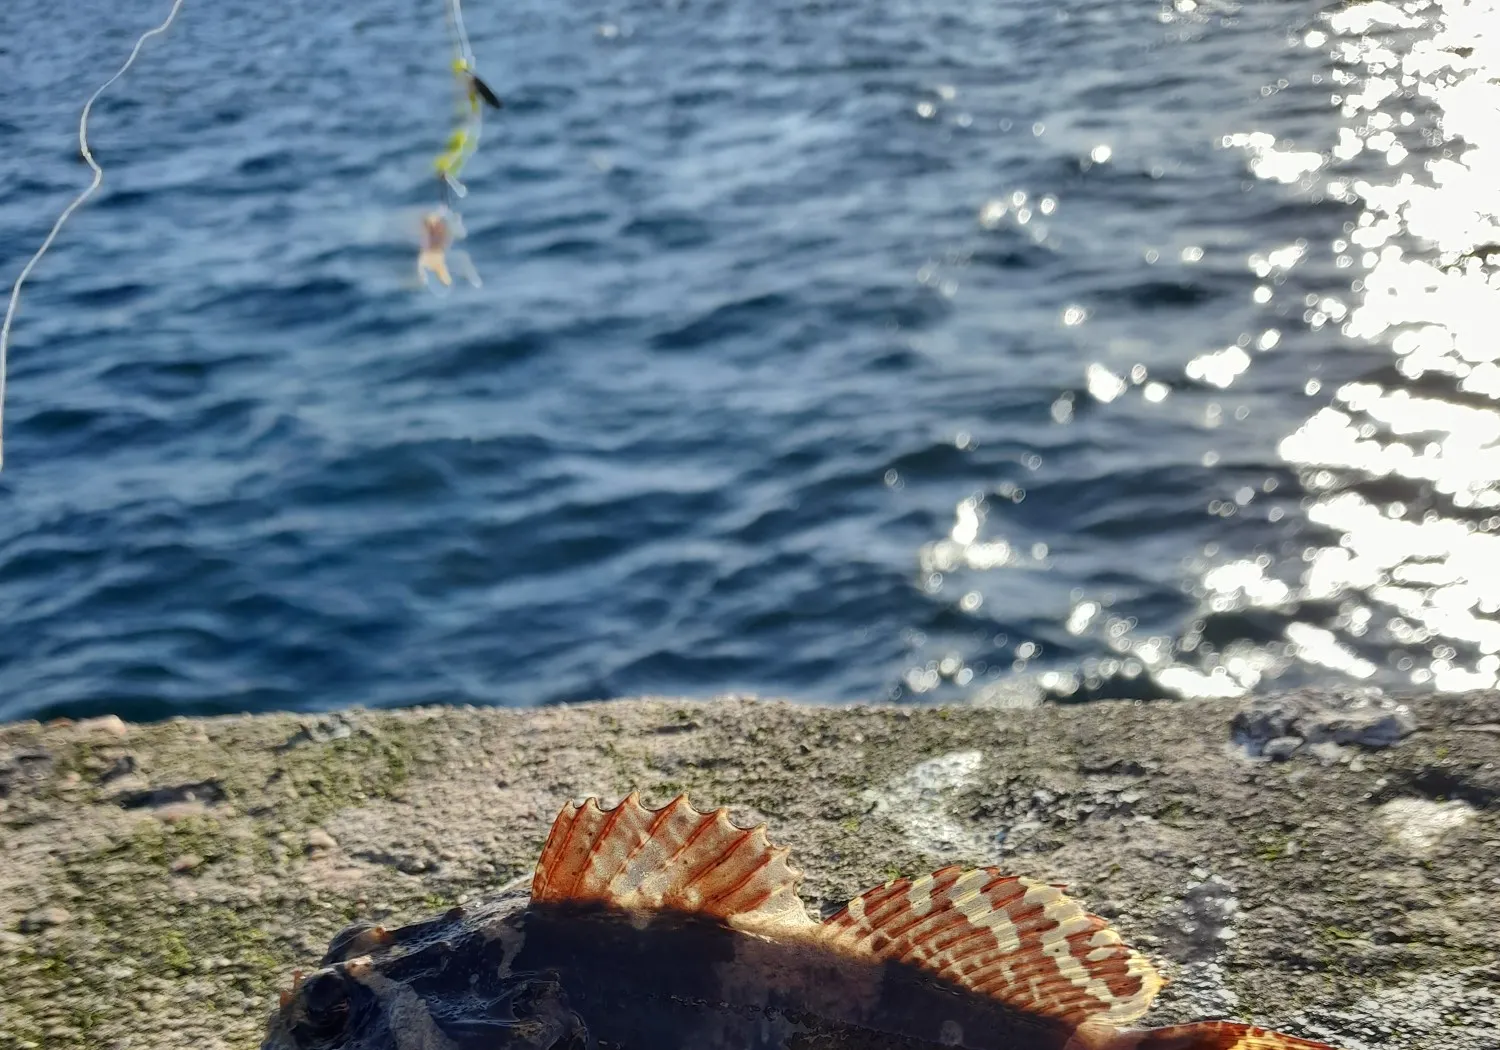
(934, 351)
(1404, 468)
(1390, 575)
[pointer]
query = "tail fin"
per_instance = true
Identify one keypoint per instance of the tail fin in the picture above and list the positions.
(1211, 1035)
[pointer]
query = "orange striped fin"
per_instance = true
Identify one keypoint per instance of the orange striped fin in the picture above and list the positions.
(673, 858)
(1212, 1035)
(1015, 940)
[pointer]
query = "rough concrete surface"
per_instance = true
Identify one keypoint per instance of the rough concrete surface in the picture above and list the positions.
(1323, 864)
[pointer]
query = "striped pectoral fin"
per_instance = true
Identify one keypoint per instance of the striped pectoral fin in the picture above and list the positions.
(1208, 1035)
(1019, 942)
(670, 859)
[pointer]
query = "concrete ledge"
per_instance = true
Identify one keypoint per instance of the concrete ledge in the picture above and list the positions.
(1335, 872)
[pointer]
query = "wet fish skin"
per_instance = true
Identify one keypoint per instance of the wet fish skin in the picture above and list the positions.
(503, 974)
(672, 929)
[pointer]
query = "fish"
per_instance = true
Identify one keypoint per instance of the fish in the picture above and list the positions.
(674, 929)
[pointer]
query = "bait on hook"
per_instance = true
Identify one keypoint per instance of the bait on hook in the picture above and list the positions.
(440, 227)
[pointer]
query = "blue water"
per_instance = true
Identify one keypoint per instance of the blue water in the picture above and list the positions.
(833, 350)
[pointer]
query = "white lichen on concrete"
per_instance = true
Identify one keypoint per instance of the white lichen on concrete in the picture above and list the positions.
(1419, 824)
(917, 802)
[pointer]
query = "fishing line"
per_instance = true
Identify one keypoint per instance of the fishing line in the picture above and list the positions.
(440, 227)
(74, 205)
(463, 143)
(443, 226)
(460, 35)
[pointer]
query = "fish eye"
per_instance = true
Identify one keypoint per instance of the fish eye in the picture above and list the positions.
(344, 943)
(325, 1007)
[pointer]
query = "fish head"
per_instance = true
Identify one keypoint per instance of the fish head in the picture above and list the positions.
(445, 983)
(328, 1009)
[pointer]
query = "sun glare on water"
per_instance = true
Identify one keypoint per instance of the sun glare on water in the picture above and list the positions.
(1405, 474)
(1395, 580)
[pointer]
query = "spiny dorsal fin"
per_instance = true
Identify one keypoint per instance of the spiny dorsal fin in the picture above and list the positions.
(1211, 1035)
(673, 858)
(1015, 940)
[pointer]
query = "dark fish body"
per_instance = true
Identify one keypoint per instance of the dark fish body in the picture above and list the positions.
(675, 930)
(678, 982)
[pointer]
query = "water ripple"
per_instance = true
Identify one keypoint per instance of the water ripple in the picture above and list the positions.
(1047, 350)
